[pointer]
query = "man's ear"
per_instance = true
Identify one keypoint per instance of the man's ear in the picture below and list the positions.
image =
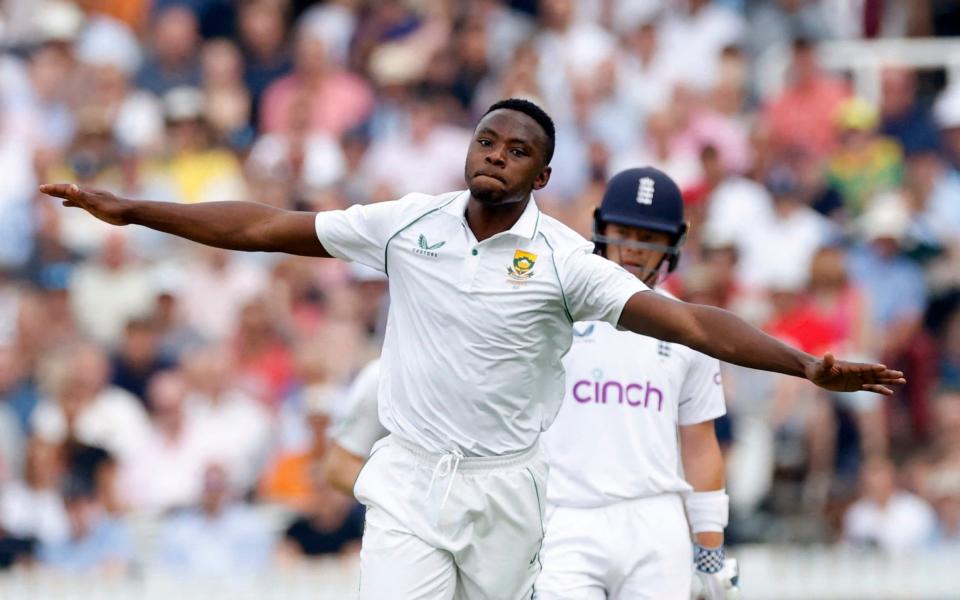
(542, 179)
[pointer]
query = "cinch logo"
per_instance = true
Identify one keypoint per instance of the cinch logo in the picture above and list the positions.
(614, 392)
(425, 249)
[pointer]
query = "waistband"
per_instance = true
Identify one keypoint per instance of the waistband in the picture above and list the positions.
(469, 463)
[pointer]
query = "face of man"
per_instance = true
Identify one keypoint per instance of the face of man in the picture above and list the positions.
(642, 262)
(506, 159)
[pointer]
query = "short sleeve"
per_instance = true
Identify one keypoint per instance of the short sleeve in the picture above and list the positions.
(361, 232)
(701, 396)
(361, 428)
(594, 288)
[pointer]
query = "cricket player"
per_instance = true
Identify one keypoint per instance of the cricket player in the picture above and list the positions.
(484, 289)
(633, 453)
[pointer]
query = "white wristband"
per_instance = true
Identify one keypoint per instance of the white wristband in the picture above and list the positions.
(707, 511)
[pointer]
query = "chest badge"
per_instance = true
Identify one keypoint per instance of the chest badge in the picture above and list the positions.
(522, 267)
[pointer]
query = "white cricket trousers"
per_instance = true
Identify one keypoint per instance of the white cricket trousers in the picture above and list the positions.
(633, 550)
(440, 527)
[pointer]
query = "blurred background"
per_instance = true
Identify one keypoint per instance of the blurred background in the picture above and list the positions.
(165, 407)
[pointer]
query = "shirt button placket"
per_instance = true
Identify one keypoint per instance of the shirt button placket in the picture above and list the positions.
(470, 265)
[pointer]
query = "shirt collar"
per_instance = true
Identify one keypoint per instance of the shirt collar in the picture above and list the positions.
(526, 226)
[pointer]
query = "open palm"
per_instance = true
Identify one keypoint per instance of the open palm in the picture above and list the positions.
(843, 376)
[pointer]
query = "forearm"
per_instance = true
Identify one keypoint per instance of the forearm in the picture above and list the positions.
(342, 469)
(713, 331)
(230, 225)
(703, 469)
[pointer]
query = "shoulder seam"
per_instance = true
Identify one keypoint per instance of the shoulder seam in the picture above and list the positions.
(386, 247)
(553, 259)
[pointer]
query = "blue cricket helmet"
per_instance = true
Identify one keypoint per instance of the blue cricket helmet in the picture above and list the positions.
(644, 197)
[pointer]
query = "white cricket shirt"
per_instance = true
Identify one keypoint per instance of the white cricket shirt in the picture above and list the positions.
(360, 428)
(615, 437)
(476, 330)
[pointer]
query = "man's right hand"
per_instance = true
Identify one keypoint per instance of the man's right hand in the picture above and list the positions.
(103, 205)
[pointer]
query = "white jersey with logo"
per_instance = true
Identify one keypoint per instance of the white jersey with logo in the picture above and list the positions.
(615, 437)
(360, 428)
(476, 330)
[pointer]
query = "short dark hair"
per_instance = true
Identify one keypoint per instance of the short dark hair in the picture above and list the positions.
(537, 114)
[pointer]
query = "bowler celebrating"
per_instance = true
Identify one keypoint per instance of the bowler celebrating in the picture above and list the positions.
(484, 290)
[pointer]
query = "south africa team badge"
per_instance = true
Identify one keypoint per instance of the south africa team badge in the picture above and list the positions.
(522, 267)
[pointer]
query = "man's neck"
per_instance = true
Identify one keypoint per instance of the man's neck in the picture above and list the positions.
(487, 220)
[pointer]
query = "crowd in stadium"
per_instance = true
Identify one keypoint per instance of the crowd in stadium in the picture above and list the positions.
(150, 384)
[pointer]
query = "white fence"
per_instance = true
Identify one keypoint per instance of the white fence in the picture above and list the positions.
(768, 573)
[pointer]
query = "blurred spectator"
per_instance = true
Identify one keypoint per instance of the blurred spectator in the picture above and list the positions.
(18, 391)
(425, 156)
(176, 336)
(197, 168)
(138, 358)
(106, 294)
(111, 56)
(774, 24)
(226, 99)
(291, 478)
(166, 471)
(571, 47)
(803, 113)
(97, 541)
(220, 283)
(235, 428)
(865, 163)
(266, 56)
(841, 302)
(172, 62)
(786, 244)
(220, 537)
(886, 517)
(337, 100)
(695, 36)
(904, 118)
(81, 405)
(644, 70)
(932, 188)
(659, 148)
(330, 523)
(33, 508)
(896, 288)
(945, 489)
(264, 361)
(947, 115)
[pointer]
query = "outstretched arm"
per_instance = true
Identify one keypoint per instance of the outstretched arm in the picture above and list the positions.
(232, 225)
(725, 336)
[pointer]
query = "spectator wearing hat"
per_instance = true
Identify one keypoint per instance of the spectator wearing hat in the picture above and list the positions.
(896, 289)
(196, 167)
(865, 163)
